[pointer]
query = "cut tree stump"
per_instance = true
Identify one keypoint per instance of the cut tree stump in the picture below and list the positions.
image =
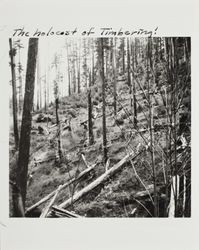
(99, 180)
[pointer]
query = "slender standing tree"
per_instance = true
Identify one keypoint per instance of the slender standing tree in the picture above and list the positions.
(24, 144)
(19, 46)
(114, 68)
(14, 93)
(56, 94)
(38, 85)
(90, 122)
(68, 68)
(123, 54)
(103, 100)
(133, 83)
(149, 61)
(129, 74)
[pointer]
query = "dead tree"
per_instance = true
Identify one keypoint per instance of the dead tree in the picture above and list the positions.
(149, 61)
(24, 143)
(68, 69)
(114, 68)
(129, 74)
(133, 83)
(123, 54)
(14, 93)
(58, 129)
(19, 46)
(38, 85)
(103, 99)
(100, 180)
(90, 122)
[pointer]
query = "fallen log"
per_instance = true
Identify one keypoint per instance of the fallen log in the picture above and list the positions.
(46, 209)
(60, 212)
(99, 180)
(149, 191)
(141, 194)
(75, 179)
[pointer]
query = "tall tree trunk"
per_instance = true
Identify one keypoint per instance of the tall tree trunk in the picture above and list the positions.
(38, 85)
(103, 100)
(90, 122)
(20, 84)
(45, 93)
(135, 53)
(78, 56)
(78, 81)
(24, 144)
(74, 78)
(134, 86)
(58, 129)
(14, 94)
(114, 78)
(69, 85)
(68, 69)
(93, 65)
(129, 75)
(156, 213)
(123, 55)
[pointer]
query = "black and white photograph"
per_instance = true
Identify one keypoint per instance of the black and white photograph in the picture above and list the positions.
(100, 127)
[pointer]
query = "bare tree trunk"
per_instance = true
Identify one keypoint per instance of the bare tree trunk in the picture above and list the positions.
(58, 129)
(68, 68)
(38, 85)
(45, 94)
(20, 84)
(133, 61)
(114, 78)
(74, 76)
(103, 100)
(78, 81)
(149, 59)
(14, 94)
(123, 55)
(78, 69)
(134, 105)
(24, 144)
(129, 75)
(90, 122)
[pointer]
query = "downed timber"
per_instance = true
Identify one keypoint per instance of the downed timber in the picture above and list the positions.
(60, 212)
(99, 180)
(46, 209)
(75, 179)
(141, 194)
(84, 160)
(149, 190)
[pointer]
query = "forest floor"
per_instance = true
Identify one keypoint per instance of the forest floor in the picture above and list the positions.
(114, 197)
